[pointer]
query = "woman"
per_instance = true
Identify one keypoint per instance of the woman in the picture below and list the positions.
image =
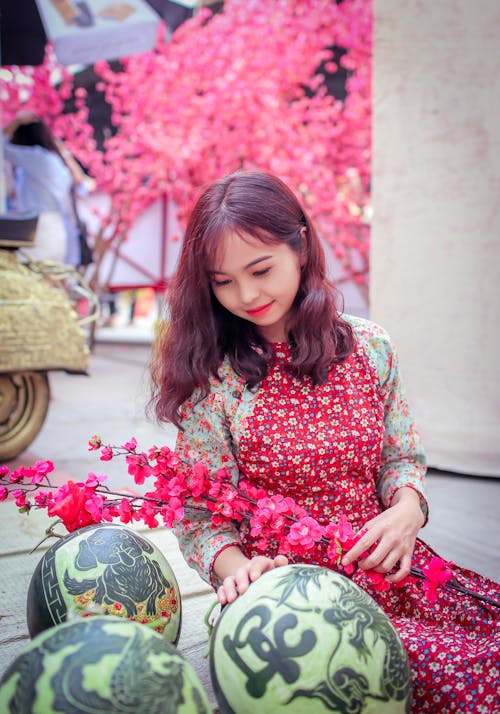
(43, 186)
(267, 380)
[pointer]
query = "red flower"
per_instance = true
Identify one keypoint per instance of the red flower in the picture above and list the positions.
(70, 506)
(437, 574)
(380, 584)
(148, 513)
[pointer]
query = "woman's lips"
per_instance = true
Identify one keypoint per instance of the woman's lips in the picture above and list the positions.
(260, 310)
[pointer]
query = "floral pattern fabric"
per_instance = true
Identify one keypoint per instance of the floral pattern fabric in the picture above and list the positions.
(345, 447)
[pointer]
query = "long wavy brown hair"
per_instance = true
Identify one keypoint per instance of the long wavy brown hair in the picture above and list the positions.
(199, 332)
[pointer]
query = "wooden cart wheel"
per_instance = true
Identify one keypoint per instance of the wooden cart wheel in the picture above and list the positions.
(24, 400)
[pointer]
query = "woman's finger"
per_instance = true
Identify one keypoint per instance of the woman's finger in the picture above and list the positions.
(230, 588)
(234, 585)
(280, 560)
(403, 571)
(388, 563)
(362, 546)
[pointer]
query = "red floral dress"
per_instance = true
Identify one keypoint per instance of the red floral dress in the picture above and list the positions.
(344, 447)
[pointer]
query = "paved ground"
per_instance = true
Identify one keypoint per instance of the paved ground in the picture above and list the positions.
(464, 524)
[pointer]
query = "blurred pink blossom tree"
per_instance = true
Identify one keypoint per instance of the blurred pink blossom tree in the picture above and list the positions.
(239, 89)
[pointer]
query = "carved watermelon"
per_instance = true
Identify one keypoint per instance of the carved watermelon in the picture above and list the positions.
(101, 664)
(107, 565)
(304, 639)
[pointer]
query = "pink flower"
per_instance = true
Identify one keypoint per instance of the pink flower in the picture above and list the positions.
(19, 497)
(43, 498)
(44, 467)
(4, 470)
(167, 458)
(28, 473)
(94, 443)
(4, 493)
(177, 486)
(230, 506)
(16, 476)
(107, 513)
(138, 467)
(341, 530)
(93, 481)
(270, 515)
(93, 505)
(130, 445)
(173, 512)
(252, 492)
(199, 480)
(334, 550)
(342, 537)
(106, 453)
(305, 534)
(125, 511)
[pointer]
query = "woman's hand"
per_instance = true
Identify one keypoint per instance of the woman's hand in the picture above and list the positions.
(393, 533)
(246, 572)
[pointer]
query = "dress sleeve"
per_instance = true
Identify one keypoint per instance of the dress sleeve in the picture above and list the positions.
(403, 461)
(205, 438)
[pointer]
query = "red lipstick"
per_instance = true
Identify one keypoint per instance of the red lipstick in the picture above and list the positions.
(260, 310)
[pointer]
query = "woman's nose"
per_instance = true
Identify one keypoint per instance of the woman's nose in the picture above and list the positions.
(248, 292)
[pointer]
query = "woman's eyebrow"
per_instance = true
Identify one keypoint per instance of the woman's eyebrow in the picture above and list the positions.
(245, 267)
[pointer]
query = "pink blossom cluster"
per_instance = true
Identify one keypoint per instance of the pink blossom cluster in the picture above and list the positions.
(176, 488)
(216, 97)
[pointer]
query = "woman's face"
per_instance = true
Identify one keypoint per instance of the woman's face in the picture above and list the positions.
(257, 281)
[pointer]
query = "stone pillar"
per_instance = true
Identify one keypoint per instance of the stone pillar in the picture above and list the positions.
(435, 275)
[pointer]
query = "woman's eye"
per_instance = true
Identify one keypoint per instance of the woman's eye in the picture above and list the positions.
(220, 283)
(258, 273)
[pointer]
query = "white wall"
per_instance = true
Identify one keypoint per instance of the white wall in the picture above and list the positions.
(435, 280)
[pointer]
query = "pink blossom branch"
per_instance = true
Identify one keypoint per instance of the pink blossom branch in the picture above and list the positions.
(179, 486)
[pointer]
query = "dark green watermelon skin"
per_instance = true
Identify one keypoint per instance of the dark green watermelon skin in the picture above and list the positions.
(306, 640)
(101, 664)
(38, 615)
(107, 565)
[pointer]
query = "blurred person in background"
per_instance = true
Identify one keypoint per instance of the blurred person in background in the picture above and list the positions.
(45, 178)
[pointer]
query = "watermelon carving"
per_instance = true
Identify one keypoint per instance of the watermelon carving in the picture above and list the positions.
(304, 639)
(101, 664)
(110, 566)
